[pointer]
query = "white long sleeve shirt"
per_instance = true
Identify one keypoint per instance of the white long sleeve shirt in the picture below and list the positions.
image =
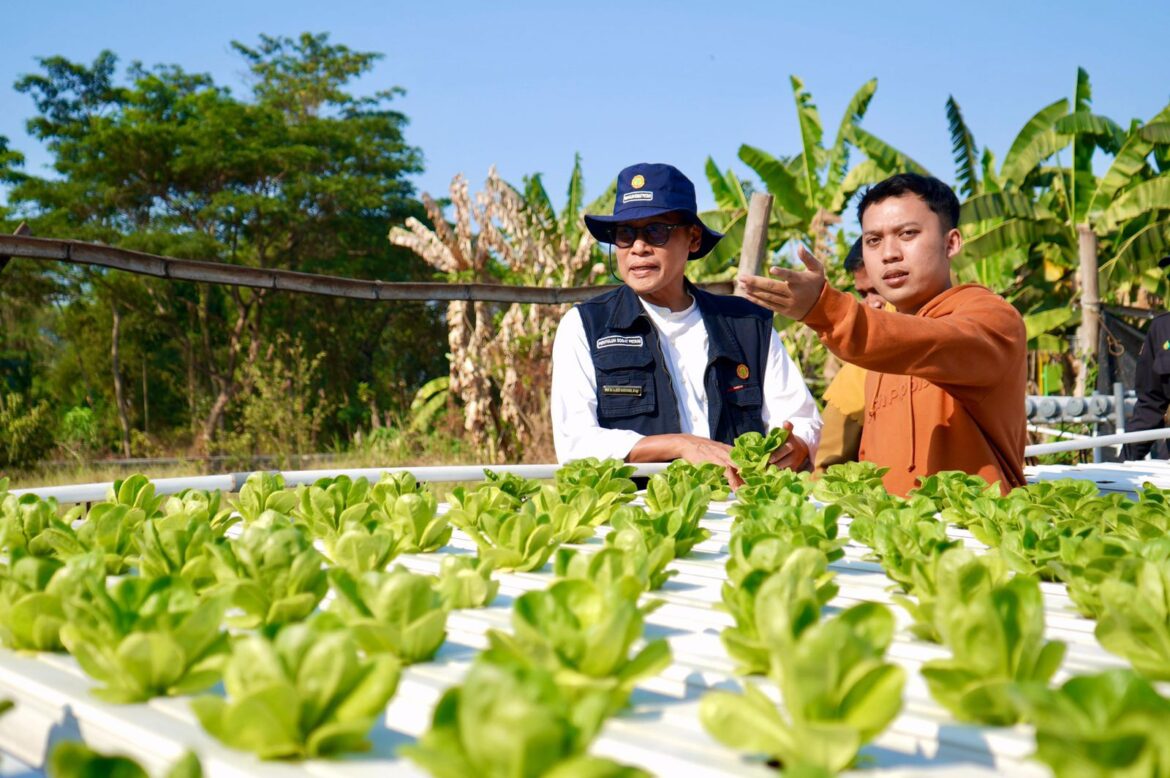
(683, 335)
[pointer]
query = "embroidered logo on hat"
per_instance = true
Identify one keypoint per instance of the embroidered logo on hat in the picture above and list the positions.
(637, 182)
(742, 371)
(634, 197)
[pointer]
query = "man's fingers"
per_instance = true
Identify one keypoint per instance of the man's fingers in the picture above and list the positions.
(811, 262)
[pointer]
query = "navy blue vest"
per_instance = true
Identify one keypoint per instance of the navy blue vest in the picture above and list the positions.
(634, 390)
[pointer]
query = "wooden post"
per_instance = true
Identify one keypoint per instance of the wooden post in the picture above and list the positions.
(23, 229)
(755, 236)
(1087, 335)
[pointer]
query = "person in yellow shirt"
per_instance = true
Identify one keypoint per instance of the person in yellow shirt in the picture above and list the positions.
(844, 412)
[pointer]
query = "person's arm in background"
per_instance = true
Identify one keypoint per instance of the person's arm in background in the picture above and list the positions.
(1152, 397)
(788, 402)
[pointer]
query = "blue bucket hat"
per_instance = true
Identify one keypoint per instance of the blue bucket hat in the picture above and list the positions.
(651, 189)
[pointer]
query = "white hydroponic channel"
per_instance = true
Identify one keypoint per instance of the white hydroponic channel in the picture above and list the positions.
(660, 732)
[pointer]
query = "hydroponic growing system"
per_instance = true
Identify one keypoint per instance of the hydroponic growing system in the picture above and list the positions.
(554, 621)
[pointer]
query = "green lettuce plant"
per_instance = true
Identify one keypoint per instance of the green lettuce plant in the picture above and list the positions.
(302, 694)
(583, 633)
(627, 553)
(272, 571)
(509, 720)
(464, 582)
(705, 475)
(25, 522)
(507, 538)
(396, 612)
(769, 607)
(264, 492)
(32, 593)
(997, 643)
(1135, 619)
(950, 577)
(146, 638)
(177, 545)
(70, 759)
(680, 524)
(136, 492)
(414, 518)
(831, 707)
(1110, 725)
(610, 478)
(751, 451)
(850, 478)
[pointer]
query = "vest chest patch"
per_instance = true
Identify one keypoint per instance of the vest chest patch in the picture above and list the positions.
(611, 341)
(636, 391)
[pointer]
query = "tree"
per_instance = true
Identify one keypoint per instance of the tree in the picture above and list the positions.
(500, 368)
(1028, 223)
(302, 175)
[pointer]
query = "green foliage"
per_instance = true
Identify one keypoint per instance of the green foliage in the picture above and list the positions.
(751, 451)
(850, 479)
(772, 606)
(1135, 618)
(302, 694)
(396, 612)
(272, 571)
(627, 553)
(26, 431)
(507, 538)
(264, 492)
(1110, 725)
(32, 594)
(514, 720)
(609, 479)
(583, 632)
(297, 173)
(704, 474)
(831, 708)
(414, 518)
(77, 760)
(146, 638)
(944, 580)
(466, 583)
(997, 643)
(680, 523)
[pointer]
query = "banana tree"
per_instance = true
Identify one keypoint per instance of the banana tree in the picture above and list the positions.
(1028, 225)
(812, 188)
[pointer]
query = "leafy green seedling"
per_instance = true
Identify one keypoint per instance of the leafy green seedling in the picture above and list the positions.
(997, 643)
(77, 760)
(396, 612)
(514, 720)
(464, 582)
(831, 708)
(272, 571)
(752, 450)
(146, 638)
(583, 633)
(771, 608)
(265, 492)
(302, 694)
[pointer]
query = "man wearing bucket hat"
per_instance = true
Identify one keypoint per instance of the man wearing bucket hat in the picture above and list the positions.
(658, 369)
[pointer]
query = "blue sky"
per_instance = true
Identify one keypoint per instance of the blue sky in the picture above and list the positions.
(525, 85)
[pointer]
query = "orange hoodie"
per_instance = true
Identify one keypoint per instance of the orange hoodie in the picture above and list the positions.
(946, 386)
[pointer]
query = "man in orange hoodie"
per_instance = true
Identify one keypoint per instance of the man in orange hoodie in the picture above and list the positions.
(947, 369)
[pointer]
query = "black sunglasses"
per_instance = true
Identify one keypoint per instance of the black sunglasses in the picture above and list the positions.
(654, 233)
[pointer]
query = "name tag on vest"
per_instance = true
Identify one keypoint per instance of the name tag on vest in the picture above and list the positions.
(630, 341)
(634, 390)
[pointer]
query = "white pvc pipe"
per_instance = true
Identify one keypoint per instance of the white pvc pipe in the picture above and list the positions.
(232, 482)
(1057, 433)
(1097, 442)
